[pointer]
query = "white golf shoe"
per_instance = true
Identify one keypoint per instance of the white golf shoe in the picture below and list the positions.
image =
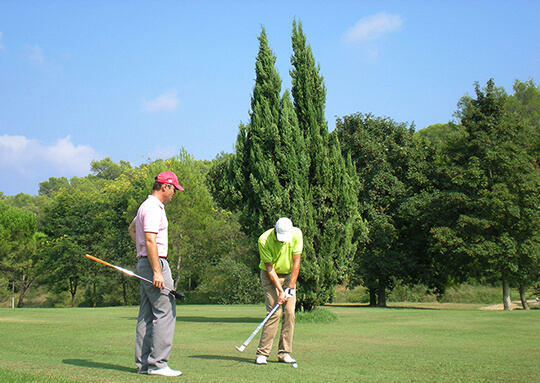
(165, 371)
(261, 359)
(287, 359)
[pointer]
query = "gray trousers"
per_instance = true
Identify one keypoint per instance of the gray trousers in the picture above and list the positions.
(156, 321)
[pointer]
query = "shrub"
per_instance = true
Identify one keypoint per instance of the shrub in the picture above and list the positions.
(418, 293)
(318, 315)
(231, 282)
(467, 293)
(357, 295)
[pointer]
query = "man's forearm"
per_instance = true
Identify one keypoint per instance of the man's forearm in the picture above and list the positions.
(295, 270)
(275, 280)
(131, 230)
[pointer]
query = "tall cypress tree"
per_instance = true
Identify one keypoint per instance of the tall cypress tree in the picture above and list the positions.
(287, 164)
(267, 175)
(254, 169)
(331, 202)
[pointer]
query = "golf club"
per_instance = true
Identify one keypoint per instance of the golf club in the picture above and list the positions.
(244, 345)
(178, 295)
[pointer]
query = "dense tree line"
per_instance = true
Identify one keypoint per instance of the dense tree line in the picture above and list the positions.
(91, 215)
(379, 204)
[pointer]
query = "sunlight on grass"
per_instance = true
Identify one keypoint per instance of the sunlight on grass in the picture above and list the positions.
(318, 315)
(332, 344)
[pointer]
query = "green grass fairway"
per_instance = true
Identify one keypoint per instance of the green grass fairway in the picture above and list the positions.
(363, 345)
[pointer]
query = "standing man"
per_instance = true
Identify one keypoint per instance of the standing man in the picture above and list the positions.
(280, 249)
(157, 312)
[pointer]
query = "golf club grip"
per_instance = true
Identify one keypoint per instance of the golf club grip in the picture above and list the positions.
(99, 260)
(181, 297)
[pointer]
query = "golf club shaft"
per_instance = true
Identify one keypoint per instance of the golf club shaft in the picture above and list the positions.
(248, 340)
(177, 295)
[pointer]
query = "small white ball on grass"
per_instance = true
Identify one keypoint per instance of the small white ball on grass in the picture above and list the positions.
(295, 365)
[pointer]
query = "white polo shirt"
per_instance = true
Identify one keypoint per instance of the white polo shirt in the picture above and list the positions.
(151, 218)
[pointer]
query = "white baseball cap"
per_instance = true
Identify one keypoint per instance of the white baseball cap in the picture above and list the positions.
(284, 228)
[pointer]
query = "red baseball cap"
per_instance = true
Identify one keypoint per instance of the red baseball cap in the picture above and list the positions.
(169, 178)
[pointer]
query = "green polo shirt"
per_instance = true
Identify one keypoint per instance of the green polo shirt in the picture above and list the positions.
(279, 253)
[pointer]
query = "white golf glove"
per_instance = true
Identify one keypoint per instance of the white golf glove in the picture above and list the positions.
(289, 292)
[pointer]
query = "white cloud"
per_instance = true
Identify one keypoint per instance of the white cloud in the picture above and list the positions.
(374, 27)
(20, 154)
(34, 53)
(70, 158)
(167, 102)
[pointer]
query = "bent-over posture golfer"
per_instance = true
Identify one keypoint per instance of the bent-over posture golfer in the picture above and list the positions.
(157, 312)
(280, 249)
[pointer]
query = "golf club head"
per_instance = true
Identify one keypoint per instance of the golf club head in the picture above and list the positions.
(241, 348)
(178, 295)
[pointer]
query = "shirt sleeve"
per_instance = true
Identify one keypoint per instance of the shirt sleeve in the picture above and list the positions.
(151, 220)
(298, 242)
(264, 252)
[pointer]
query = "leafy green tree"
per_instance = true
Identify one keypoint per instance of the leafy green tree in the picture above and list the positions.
(64, 264)
(495, 191)
(231, 282)
(200, 237)
(18, 241)
(391, 168)
(108, 169)
(34, 204)
(440, 135)
(47, 188)
(525, 103)
(220, 180)
(74, 226)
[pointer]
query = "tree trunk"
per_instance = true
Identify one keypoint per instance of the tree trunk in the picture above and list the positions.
(21, 300)
(124, 289)
(13, 295)
(23, 287)
(178, 271)
(73, 289)
(178, 263)
(524, 302)
(372, 297)
(381, 301)
(506, 294)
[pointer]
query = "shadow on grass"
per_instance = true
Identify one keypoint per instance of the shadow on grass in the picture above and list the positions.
(219, 319)
(102, 366)
(224, 357)
(389, 306)
(211, 319)
(199, 319)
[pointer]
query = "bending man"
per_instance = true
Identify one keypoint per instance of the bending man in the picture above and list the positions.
(280, 249)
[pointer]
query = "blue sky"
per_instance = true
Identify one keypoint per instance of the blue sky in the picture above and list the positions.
(133, 80)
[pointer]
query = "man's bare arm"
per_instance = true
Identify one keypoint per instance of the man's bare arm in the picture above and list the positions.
(275, 281)
(131, 231)
(295, 270)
